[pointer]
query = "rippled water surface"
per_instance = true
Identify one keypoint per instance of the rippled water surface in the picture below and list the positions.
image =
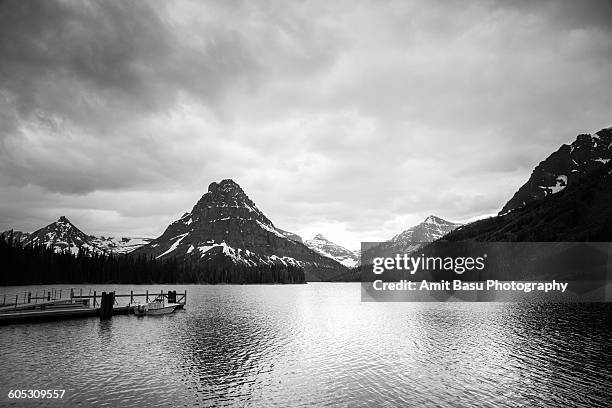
(317, 345)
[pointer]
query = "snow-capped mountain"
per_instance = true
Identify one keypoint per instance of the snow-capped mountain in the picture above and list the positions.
(226, 228)
(412, 239)
(334, 251)
(429, 230)
(564, 167)
(119, 245)
(62, 235)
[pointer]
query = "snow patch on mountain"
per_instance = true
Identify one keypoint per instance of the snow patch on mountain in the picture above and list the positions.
(561, 183)
(119, 245)
(244, 256)
(174, 245)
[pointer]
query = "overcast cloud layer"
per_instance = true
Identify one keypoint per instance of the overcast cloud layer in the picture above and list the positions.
(356, 119)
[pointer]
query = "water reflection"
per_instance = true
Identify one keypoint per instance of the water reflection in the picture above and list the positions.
(317, 344)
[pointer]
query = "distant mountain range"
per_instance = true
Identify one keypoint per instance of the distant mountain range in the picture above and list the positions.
(569, 164)
(226, 228)
(568, 197)
(334, 251)
(63, 235)
(431, 229)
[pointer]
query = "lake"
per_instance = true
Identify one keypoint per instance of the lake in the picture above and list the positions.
(315, 345)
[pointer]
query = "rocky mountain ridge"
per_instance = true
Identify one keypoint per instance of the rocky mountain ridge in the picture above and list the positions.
(563, 168)
(581, 212)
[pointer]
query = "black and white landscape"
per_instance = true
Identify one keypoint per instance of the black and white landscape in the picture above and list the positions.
(257, 155)
(565, 199)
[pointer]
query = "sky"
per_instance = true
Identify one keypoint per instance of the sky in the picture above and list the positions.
(354, 119)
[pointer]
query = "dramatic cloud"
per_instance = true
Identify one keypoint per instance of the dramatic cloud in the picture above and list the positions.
(352, 118)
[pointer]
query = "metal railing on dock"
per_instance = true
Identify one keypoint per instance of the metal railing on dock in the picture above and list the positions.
(37, 296)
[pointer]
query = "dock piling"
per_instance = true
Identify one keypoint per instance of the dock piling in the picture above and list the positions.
(106, 305)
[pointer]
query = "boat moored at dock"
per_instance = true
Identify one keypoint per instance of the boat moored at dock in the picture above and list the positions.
(155, 308)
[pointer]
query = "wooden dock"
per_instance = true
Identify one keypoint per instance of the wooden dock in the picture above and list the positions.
(51, 306)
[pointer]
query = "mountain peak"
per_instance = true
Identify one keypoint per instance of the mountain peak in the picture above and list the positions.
(429, 230)
(225, 186)
(63, 220)
(320, 237)
(432, 219)
(224, 199)
(62, 235)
